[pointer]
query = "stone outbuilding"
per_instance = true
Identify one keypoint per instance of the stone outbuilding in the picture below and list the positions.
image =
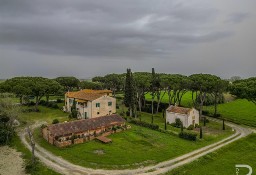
(79, 131)
(188, 116)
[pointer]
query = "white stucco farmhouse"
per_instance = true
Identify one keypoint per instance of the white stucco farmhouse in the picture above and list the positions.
(91, 103)
(188, 116)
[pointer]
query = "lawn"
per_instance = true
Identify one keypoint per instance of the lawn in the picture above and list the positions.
(224, 160)
(45, 114)
(127, 149)
(239, 111)
(213, 130)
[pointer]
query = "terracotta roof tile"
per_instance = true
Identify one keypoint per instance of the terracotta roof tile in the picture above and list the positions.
(177, 109)
(88, 94)
(84, 125)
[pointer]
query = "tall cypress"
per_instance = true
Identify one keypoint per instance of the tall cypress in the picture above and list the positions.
(201, 132)
(153, 80)
(129, 95)
(223, 124)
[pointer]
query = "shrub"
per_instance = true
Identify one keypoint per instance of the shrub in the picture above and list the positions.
(177, 123)
(145, 124)
(43, 126)
(197, 125)
(32, 103)
(59, 100)
(42, 102)
(217, 115)
(188, 136)
(190, 127)
(55, 121)
(205, 112)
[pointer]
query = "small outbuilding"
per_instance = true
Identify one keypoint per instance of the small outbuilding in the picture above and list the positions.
(188, 116)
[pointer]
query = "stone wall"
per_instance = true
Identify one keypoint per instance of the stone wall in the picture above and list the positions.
(78, 140)
(63, 143)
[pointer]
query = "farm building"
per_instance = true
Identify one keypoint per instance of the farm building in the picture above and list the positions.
(79, 131)
(188, 116)
(90, 103)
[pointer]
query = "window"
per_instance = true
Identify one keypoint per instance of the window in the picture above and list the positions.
(98, 113)
(97, 105)
(85, 115)
(110, 103)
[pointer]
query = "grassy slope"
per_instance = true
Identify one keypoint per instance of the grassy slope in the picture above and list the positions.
(224, 160)
(239, 111)
(128, 149)
(26, 155)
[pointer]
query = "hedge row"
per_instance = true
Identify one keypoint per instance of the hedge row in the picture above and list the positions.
(145, 124)
(49, 104)
(188, 136)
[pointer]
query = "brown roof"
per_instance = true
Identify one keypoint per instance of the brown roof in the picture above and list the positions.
(84, 125)
(177, 109)
(88, 94)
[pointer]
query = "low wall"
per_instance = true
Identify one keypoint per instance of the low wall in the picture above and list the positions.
(78, 140)
(63, 143)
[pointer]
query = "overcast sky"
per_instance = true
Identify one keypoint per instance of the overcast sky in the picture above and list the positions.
(85, 38)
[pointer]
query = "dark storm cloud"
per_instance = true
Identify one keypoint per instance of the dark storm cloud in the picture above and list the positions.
(100, 28)
(64, 33)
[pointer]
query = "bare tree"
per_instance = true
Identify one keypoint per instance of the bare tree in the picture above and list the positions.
(32, 143)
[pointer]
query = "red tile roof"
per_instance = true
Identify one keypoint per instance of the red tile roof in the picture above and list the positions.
(179, 110)
(77, 126)
(88, 94)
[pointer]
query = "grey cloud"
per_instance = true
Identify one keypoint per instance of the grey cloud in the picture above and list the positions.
(97, 28)
(237, 17)
(110, 31)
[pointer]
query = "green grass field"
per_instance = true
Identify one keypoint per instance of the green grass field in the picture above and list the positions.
(224, 160)
(127, 149)
(45, 114)
(239, 111)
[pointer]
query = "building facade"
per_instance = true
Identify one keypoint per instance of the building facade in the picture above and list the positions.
(80, 131)
(188, 116)
(90, 103)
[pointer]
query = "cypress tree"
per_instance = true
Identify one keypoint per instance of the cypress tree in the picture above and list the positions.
(129, 94)
(201, 132)
(153, 82)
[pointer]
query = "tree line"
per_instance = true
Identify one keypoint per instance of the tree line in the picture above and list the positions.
(204, 87)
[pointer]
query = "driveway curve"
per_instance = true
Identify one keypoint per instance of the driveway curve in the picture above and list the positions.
(62, 166)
